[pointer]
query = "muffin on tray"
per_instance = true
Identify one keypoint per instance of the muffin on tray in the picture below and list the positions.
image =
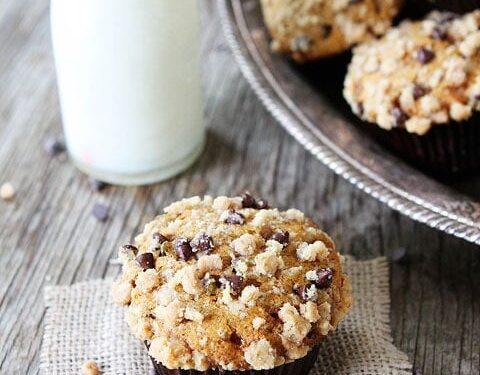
(309, 29)
(420, 85)
(228, 284)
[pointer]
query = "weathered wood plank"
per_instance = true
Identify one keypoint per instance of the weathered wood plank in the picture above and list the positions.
(47, 236)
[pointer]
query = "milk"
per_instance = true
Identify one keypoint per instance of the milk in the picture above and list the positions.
(128, 74)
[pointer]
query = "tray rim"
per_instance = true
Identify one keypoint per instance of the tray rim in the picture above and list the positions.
(290, 118)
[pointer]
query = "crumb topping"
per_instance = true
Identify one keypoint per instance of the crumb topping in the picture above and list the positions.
(310, 29)
(230, 283)
(419, 74)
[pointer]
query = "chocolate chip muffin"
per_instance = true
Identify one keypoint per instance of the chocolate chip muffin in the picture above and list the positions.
(421, 83)
(310, 29)
(229, 284)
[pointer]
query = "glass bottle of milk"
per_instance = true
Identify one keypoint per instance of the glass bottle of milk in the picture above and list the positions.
(129, 77)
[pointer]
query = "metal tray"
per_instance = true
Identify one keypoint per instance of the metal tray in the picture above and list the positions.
(306, 100)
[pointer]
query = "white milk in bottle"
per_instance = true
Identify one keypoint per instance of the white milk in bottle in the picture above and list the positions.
(129, 83)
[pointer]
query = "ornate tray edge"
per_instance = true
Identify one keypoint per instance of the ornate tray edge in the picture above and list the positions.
(414, 208)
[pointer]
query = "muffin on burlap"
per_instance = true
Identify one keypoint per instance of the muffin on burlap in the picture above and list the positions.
(310, 29)
(228, 284)
(420, 83)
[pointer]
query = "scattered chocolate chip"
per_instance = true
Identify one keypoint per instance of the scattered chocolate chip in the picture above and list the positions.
(202, 243)
(261, 204)
(324, 278)
(100, 212)
(301, 43)
(305, 292)
(399, 255)
(273, 314)
(418, 91)
(234, 281)
(146, 261)
(96, 185)
(326, 31)
(424, 55)
(282, 237)
(235, 339)
(54, 146)
(399, 116)
(439, 33)
(248, 201)
(234, 217)
(182, 248)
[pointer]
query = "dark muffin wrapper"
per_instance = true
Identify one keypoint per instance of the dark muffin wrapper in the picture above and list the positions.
(301, 366)
(444, 151)
(456, 6)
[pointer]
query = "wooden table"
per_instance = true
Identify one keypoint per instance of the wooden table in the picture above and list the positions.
(48, 235)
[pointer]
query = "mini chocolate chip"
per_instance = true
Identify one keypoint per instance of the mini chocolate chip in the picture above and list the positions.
(326, 31)
(146, 261)
(234, 217)
(399, 116)
(324, 278)
(54, 146)
(281, 237)
(399, 255)
(235, 339)
(418, 91)
(96, 185)
(424, 55)
(182, 248)
(248, 201)
(234, 281)
(261, 204)
(202, 243)
(100, 212)
(131, 248)
(160, 238)
(439, 33)
(301, 291)
(301, 43)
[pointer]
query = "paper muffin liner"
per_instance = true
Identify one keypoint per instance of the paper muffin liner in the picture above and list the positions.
(444, 151)
(456, 6)
(301, 366)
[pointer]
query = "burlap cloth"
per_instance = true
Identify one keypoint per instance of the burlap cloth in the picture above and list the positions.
(81, 324)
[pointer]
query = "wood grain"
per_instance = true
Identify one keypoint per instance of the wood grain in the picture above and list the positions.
(48, 236)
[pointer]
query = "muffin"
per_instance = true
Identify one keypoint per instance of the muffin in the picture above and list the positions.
(420, 86)
(457, 6)
(227, 284)
(310, 29)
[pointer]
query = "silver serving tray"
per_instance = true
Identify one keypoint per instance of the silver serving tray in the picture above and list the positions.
(306, 101)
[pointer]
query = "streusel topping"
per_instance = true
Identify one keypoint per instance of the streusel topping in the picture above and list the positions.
(420, 74)
(309, 29)
(231, 283)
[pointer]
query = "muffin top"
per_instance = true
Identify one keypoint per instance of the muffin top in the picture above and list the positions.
(309, 29)
(419, 74)
(231, 283)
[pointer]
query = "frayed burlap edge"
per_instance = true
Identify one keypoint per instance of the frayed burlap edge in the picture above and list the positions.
(81, 324)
